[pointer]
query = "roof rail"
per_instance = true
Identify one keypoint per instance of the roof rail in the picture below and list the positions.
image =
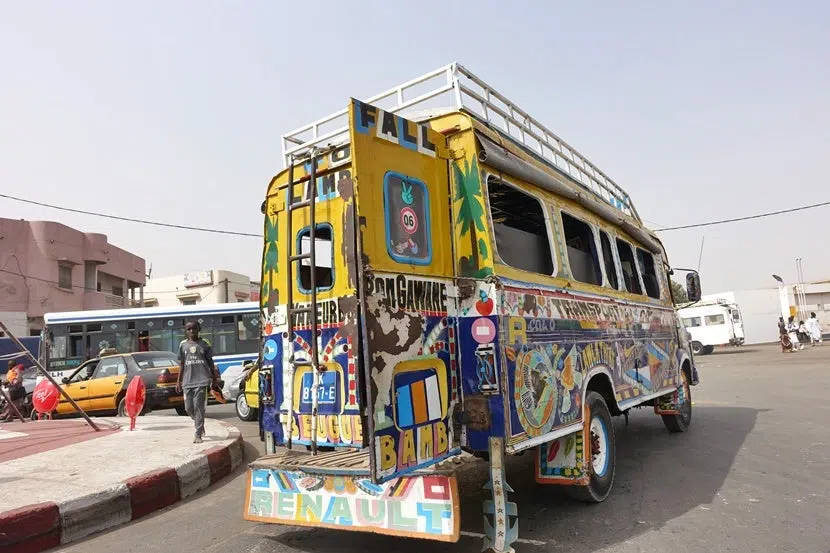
(471, 94)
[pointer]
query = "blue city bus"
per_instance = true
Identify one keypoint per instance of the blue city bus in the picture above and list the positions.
(232, 329)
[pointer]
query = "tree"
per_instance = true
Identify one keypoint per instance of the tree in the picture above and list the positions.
(678, 292)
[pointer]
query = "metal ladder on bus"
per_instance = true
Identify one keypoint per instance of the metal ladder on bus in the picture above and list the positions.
(311, 310)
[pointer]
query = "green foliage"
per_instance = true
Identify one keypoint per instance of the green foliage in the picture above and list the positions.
(678, 292)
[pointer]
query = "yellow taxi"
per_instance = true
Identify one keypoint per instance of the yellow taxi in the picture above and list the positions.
(99, 385)
(247, 402)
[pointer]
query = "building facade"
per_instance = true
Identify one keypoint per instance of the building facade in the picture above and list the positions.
(208, 286)
(46, 267)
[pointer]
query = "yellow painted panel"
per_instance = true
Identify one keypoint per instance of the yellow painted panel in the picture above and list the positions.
(474, 249)
(332, 210)
(401, 171)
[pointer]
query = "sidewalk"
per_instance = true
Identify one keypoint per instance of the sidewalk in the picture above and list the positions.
(61, 481)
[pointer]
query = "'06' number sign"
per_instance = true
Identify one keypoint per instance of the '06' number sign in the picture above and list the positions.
(409, 221)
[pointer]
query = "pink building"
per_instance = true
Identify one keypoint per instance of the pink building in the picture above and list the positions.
(47, 267)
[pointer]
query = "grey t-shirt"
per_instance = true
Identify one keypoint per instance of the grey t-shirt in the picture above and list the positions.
(196, 359)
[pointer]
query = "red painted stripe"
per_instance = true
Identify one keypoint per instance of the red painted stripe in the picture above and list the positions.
(30, 529)
(153, 491)
(219, 460)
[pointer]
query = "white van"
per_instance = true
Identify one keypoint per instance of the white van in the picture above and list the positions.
(713, 323)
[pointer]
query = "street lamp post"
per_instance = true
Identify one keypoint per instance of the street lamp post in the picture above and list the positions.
(783, 299)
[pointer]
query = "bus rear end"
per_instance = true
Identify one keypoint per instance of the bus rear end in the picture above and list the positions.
(358, 380)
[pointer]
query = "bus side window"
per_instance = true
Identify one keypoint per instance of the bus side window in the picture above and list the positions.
(631, 276)
(76, 340)
(224, 335)
(520, 228)
(583, 256)
(649, 273)
(610, 260)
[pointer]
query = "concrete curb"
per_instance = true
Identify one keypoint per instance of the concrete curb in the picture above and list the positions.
(36, 528)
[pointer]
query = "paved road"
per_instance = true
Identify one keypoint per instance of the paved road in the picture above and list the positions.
(750, 475)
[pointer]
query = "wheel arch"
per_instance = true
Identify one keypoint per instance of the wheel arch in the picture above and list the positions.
(600, 380)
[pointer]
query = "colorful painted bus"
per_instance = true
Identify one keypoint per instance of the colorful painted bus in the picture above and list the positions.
(447, 280)
(232, 329)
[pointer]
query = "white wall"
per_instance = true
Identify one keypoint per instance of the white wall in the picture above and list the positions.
(226, 287)
(16, 321)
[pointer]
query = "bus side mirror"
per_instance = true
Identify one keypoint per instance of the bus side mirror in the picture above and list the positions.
(693, 286)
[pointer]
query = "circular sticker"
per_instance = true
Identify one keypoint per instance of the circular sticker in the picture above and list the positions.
(270, 350)
(484, 331)
(409, 220)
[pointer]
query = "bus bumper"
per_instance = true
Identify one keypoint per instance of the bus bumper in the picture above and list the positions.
(297, 489)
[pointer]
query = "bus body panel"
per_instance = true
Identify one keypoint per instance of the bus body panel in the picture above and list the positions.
(340, 396)
(407, 304)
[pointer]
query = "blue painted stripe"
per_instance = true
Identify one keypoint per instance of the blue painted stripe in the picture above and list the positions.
(404, 407)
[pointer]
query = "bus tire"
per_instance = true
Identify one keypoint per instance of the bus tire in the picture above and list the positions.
(697, 348)
(680, 423)
(603, 453)
(708, 349)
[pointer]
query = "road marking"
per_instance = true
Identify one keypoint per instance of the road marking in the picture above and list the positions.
(6, 434)
(520, 540)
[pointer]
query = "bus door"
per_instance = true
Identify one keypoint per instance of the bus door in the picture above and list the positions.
(407, 304)
(286, 387)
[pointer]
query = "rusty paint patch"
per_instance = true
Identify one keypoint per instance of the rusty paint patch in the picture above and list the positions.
(466, 288)
(349, 245)
(477, 412)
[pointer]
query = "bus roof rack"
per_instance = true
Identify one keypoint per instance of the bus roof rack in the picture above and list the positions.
(472, 95)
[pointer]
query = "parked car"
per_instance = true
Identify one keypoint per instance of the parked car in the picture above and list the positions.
(99, 385)
(247, 394)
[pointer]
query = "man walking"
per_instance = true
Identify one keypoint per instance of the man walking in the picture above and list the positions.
(196, 374)
(814, 329)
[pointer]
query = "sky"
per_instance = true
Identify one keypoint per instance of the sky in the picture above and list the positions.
(173, 111)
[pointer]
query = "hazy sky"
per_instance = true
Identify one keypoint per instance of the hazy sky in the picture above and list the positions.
(173, 111)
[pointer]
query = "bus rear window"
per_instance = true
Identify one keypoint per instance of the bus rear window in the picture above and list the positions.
(323, 262)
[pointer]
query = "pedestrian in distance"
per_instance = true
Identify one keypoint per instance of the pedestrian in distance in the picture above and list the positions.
(197, 374)
(792, 330)
(814, 329)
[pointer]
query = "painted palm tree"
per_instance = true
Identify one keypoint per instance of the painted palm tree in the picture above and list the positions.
(270, 269)
(470, 218)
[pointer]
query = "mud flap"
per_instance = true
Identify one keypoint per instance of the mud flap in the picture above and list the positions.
(564, 461)
(416, 506)
(669, 404)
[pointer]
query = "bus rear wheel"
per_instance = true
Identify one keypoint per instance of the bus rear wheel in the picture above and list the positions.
(603, 453)
(697, 348)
